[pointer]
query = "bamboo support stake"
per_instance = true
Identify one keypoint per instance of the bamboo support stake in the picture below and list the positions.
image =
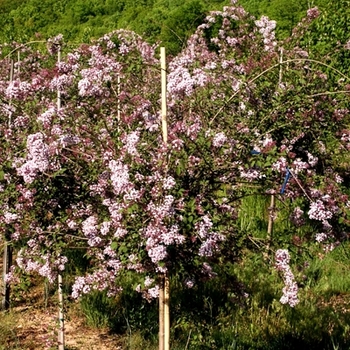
(10, 103)
(12, 64)
(7, 255)
(118, 92)
(58, 90)
(270, 225)
(18, 63)
(164, 292)
(161, 314)
(60, 314)
(166, 312)
(281, 62)
(164, 92)
(60, 282)
(272, 202)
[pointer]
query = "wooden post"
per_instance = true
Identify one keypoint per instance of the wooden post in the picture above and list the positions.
(272, 201)
(280, 71)
(18, 63)
(7, 262)
(60, 314)
(60, 291)
(164, 93)
(118, 92)
(58, 90)
(161, 313)
(10, 102)
(271, 212)
(164, 290)
(166, 312)
(7, 257)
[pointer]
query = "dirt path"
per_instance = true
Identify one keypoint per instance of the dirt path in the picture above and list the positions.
(31, 328)
(32, 325)
(35, 330)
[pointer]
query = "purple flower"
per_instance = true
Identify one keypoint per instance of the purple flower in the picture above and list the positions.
(157, 253)
(297, 217)
(266, 28)
(210, 239)
(54, 44)
(37, 158)
(130, 141)
(319, 212)
(219, 139)
(119, 177)
(313, 13)
(18, 89)
(189, 283)
(290, 290)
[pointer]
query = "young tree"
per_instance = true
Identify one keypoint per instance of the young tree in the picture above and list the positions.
(244, 110)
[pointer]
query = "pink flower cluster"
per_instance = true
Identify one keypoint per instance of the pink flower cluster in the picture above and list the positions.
(210, 239)
(290, 289)
(323, 209)
(47, 266)
(313, 13)
(101, 279)
(219, 139)
(297, 217)
(37, 159)
(267, 29)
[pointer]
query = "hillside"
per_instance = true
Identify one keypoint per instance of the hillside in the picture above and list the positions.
(170, 22)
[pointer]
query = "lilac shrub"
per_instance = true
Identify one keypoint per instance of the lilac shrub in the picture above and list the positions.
(95, 173)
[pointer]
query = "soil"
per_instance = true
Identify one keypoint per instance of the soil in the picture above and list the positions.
(35, 330)
(31, 324)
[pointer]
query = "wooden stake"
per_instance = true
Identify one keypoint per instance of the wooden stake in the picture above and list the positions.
(270, 224)
(164, 294)
(58, 90)
(164, 93)
(19, 63)
(60, 291)
(272, 202)
(118, 108)
(10, 103)
(166, 312)
(7, 262)
(280, 71)
(7, 257)
(161, 313)
(60, 314)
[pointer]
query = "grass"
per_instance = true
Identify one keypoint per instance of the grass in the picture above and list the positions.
(8, 333)
(331, 273)
(214, 316)
(217, 315)
(210, 318)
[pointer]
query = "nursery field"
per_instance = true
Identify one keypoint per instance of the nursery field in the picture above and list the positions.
(197, 200)
(213, 319)
(30, 325)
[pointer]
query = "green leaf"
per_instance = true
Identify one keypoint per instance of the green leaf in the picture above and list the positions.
(114, 245)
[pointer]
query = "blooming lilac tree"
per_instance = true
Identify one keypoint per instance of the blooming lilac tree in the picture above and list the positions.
(244, 110)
